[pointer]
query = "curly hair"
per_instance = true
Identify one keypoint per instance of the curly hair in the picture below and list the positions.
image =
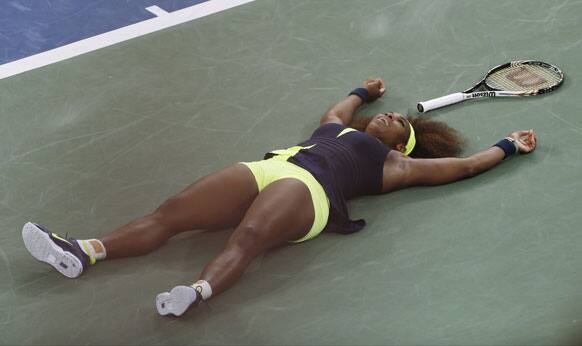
(434, 139)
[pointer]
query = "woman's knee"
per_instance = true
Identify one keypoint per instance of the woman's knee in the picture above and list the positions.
(169, 213)
(168, 207)
(249, 237)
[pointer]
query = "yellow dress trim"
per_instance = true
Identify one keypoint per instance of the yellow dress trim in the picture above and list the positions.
(346, 130)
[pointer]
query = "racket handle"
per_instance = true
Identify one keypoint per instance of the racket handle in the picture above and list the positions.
(439, 102)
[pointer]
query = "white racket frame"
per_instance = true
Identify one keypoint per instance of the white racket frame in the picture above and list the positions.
(461, 96)
(488, 92)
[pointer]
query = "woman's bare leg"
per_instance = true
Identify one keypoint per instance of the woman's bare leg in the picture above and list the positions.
(217, 201)
(282, 212)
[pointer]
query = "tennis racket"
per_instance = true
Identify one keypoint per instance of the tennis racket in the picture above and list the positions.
(515, 78)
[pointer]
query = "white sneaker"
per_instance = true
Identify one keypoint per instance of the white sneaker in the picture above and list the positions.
(65, 255)
(177, 301)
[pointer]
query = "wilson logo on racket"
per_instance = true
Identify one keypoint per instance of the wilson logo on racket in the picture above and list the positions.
(516, 78)
(483, 94)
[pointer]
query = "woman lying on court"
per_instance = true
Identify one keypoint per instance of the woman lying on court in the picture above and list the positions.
(290, 197)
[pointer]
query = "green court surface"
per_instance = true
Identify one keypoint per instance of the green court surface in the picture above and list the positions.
(93, 142)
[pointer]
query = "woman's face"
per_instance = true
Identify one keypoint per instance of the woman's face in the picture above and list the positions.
(391, 128)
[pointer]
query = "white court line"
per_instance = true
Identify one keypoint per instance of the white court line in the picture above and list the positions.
(157, 11)
(116, 36)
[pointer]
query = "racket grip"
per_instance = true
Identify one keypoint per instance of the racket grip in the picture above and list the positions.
(439, 102)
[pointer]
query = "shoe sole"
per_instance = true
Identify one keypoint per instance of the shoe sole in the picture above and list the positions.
(41, 247)
(175, 302)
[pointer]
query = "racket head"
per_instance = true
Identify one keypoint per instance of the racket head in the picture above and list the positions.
(531, 77)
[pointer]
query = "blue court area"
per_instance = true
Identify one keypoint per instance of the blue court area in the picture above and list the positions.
(29, 27)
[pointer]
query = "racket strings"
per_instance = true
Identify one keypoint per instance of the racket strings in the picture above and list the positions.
(523, 77)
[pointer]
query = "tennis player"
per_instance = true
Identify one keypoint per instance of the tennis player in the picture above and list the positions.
(289, 197)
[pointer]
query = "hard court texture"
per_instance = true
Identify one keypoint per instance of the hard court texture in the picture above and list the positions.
(90, 143)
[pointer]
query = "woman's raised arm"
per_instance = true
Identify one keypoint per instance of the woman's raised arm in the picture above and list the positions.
(343, 111)
(401, 171)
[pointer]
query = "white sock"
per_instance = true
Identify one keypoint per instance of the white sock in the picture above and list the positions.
(93, 248)
(203, 287)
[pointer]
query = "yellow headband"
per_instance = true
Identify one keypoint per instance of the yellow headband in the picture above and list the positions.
(411, 141)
